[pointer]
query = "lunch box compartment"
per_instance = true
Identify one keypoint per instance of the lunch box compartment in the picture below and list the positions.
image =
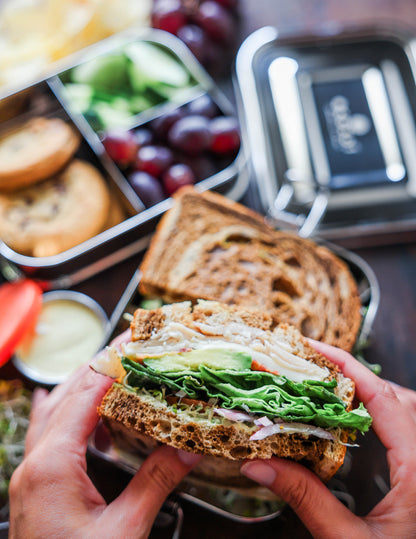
(133, 234)
(200, 85)
(112, 90)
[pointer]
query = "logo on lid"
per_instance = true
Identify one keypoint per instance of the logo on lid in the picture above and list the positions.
(344, 128)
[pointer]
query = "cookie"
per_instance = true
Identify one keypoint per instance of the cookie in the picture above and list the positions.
(34, 151)
(57, 214)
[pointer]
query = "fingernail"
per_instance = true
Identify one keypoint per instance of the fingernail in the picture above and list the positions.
(260, 472)
(190, 459)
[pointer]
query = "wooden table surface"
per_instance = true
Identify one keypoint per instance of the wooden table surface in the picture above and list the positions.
(393, 341)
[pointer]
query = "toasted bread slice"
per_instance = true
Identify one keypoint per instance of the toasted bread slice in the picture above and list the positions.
(210, 247)
(134, 415)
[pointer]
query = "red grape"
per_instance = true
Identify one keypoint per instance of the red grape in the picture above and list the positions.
(121, 146)
(147, 188)
(163, 123)
(195, 39)
(143, 136)
(230, 4)
(225, 135)
(177, 176)
(201, 165)
(216, 21)
(154, 160)
(168, 15)
(203, 106)
(190, 134)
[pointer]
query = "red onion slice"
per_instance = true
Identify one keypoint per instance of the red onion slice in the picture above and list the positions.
(290, 428)
(263, 422)
(233, 416)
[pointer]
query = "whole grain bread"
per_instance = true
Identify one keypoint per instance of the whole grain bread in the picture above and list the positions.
(210, 247)
(137, 419)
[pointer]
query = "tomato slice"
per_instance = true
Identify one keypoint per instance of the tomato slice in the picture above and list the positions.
(256, 366)
(20, 304)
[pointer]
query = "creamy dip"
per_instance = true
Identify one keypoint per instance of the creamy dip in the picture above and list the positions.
(67, 335)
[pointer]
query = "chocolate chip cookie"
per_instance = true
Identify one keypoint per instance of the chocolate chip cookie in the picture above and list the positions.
(57, 214)
(34, 151)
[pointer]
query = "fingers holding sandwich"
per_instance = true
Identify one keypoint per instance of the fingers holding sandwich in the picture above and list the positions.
(84, 388)
(54, 470)
(69, 412)
(386, 407)
(318, 509)
(37, 418)
(392, 409)
(140, 502)
(44, 404)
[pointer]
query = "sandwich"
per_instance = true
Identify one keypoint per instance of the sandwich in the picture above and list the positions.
(209, 247)
(230, 384)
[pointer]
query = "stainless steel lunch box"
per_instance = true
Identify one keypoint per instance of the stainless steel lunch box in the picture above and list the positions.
(132, 235)
(330, 121)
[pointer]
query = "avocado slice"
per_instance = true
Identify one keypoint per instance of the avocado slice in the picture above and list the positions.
(214, 358)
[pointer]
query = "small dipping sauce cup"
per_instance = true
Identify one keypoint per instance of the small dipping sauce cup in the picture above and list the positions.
(71, 328)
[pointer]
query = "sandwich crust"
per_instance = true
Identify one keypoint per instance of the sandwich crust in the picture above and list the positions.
(210, 247)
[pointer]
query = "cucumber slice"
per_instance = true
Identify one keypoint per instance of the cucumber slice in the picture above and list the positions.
(79, 95)
(109, 117)
(150, 64)
(104, 73)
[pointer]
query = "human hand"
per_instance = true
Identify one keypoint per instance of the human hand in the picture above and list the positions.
(394, 421)
(51, 494)
(406, 396)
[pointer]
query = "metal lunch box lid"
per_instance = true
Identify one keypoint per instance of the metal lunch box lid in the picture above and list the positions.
(329, 121)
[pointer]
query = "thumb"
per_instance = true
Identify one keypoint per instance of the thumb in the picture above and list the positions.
(138, 505)
(314, 504)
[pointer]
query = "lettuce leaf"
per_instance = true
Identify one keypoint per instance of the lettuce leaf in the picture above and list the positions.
(257, 392)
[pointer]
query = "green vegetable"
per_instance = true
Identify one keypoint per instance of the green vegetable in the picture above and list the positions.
(80, 96)
(256, 392)
(215, 358)
(150, 65)
(105, 73)
(111, 89)
(107, 115)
